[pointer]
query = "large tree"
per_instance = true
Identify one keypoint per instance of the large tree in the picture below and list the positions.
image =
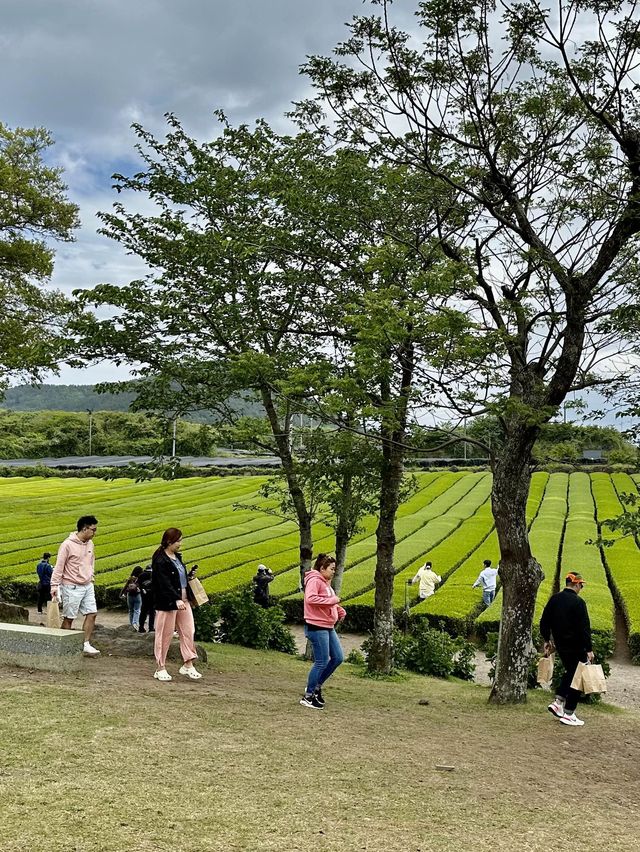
(302, 274)
(34, 211)
(530, 118)
(225, 304)
(382, 312)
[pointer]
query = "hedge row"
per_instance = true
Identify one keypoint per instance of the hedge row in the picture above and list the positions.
(120, 539)
(585, 558)
(470, 531)
(428, 528)
(622, 558)
(431, 486)
(115, 510)
(457, 603)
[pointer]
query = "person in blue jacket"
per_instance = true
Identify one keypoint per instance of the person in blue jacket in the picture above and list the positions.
(45, 570)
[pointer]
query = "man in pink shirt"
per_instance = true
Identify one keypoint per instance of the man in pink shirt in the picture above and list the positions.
(72, 580)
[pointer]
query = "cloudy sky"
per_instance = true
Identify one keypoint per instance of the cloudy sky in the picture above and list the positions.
(86, 69)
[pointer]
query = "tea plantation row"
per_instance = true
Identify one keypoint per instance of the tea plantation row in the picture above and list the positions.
(229, 529)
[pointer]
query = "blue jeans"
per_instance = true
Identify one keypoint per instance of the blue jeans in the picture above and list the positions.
(488, 595)
(327, 655)
(134, 602)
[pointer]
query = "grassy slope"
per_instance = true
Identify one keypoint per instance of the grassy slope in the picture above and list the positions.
(110, 760)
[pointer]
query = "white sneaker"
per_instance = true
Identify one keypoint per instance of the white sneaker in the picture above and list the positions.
(557, 708)
(571, 719)
(89, 651)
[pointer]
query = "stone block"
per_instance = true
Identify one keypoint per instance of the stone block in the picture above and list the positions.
(124, 642)
(40, 647)
(13, 613)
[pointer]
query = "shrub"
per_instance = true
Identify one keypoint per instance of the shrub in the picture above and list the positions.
(355, 657)
(432, 651)
(246, 623)
(206, 620)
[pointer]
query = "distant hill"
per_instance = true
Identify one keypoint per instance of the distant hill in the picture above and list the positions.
(82, 397)
(64, 398)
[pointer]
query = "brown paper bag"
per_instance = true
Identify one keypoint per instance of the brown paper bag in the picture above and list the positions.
(53, 615)
(589, 678)
(199, 594)
(545, 670)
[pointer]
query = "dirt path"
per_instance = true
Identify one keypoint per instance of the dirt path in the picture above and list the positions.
(623, 684)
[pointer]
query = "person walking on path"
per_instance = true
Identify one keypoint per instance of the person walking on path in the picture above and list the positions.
(261, 586)
(45, 570)
(131, 592)
(322, 611)
(146, 606)
(428, 580)
(72, 580)
(565, 626)
(172, 601)
(487, 579)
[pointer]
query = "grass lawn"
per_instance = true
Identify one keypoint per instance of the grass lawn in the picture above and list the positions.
(110, 760)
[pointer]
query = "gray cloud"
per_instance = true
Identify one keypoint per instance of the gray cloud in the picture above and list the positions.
(87, 68)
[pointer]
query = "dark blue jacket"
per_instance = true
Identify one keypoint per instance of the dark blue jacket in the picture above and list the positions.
(45, 570)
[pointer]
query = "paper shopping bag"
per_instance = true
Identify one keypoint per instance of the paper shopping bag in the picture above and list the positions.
(53, 614)
(576, 683)
(593, 679)
(199, 594)
(545, 670)
(589, 678)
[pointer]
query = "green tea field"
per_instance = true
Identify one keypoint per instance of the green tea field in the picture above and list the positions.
(228, 532)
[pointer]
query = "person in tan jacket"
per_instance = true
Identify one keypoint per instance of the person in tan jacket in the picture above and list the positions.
(72, 580)
(428, 580)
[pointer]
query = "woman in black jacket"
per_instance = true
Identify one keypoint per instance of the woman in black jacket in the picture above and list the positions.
(172, 601)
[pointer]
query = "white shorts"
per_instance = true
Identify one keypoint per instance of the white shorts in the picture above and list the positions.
(78, 600)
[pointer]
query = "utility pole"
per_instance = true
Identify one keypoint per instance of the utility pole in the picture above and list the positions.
(464, 432)
(173, 445)
(90, 412)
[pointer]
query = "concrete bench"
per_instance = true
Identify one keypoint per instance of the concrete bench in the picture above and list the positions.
(40, 647)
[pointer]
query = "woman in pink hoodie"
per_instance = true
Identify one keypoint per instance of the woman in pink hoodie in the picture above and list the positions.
(321, 612)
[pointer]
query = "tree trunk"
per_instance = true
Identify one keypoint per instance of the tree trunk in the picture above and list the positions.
(342, 540)
(380, 658)
(393, 429)
(281, 436)
(519, 572)
(343, 533)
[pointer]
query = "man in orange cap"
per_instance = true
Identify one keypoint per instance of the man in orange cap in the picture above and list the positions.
(565, 625)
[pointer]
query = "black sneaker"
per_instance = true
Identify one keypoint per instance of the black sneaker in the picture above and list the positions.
(319, 698)
(311, 701)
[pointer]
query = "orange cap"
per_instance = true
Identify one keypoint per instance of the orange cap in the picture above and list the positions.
(575, 578)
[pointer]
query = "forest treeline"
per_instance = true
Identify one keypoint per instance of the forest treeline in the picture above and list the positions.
(42, 434)
(51, 434)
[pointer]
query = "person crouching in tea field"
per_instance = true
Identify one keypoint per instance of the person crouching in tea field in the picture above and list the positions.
(172, 601)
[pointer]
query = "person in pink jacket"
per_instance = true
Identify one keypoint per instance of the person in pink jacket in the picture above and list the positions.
(322, 611)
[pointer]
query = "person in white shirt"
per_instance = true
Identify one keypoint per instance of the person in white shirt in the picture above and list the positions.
(487, 579)
(427, 579)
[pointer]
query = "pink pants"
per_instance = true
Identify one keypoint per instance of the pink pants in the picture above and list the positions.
(166, 622)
